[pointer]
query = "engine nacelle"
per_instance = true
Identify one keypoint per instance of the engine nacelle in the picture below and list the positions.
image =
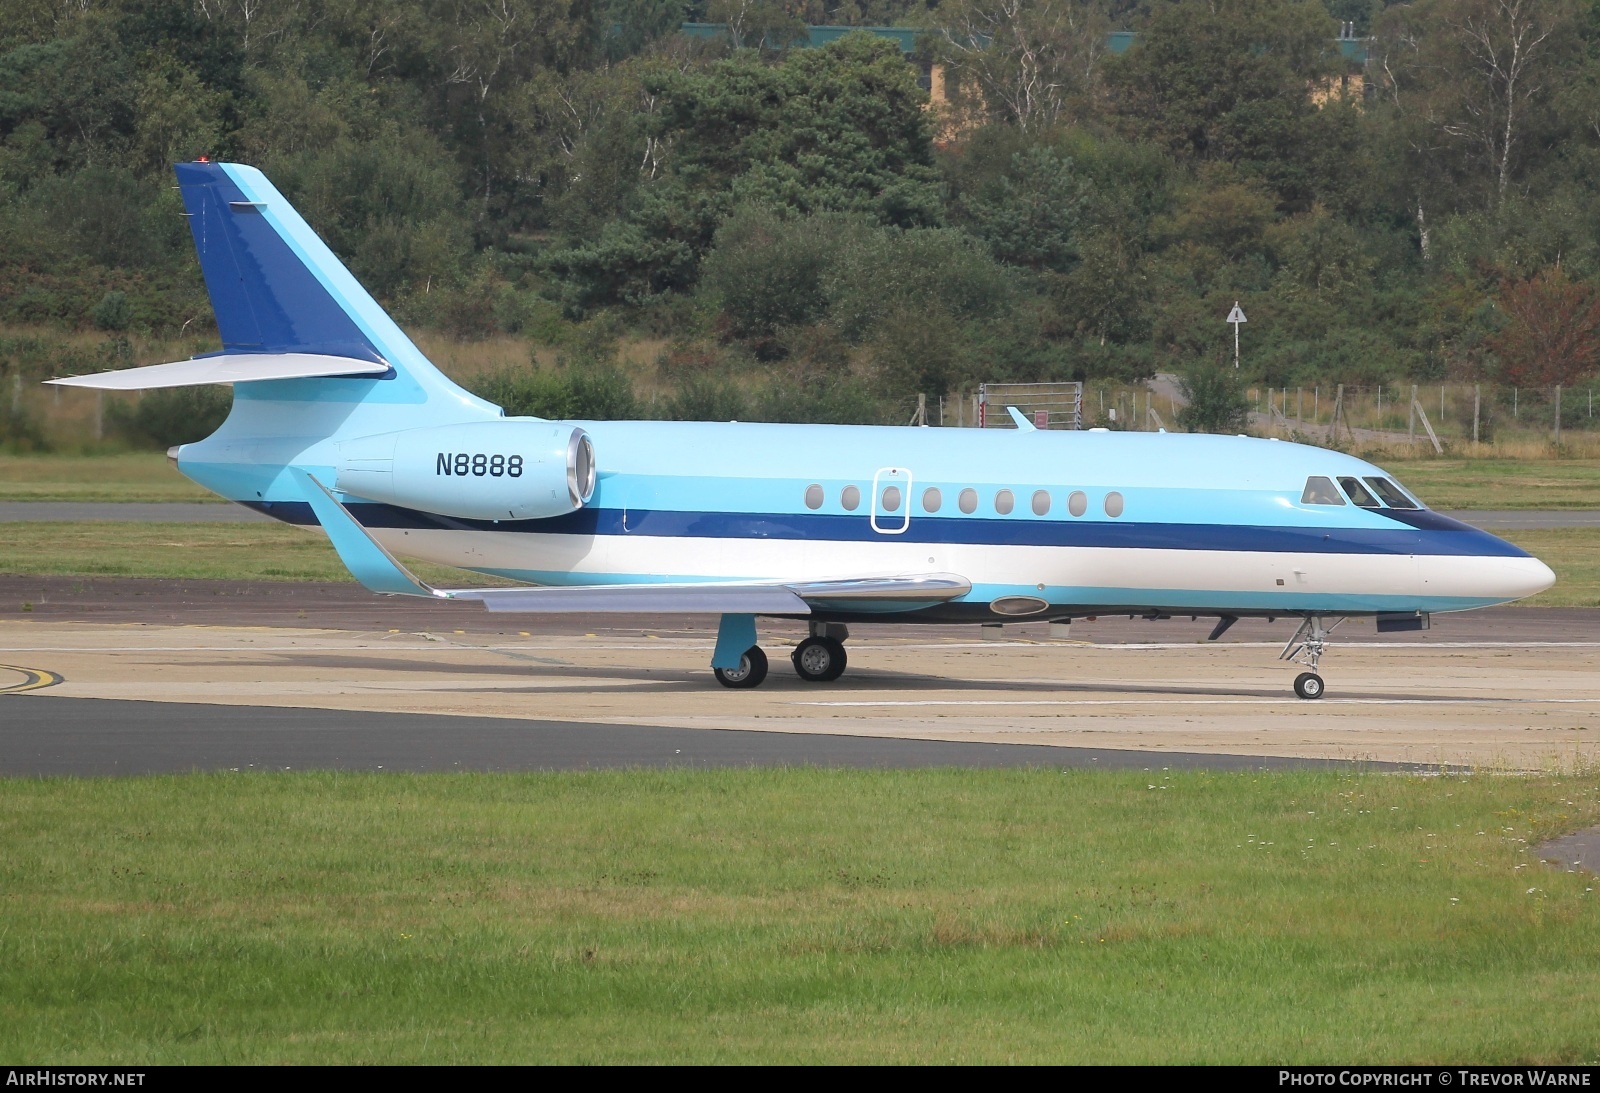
(485, 470)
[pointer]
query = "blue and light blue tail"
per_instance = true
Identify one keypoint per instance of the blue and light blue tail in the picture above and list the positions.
(277, 288)
(281, 295)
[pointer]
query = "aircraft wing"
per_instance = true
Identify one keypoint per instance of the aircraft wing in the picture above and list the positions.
(763, 598)
(379, 571)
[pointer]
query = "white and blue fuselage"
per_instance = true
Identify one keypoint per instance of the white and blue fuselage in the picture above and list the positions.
(340, 421)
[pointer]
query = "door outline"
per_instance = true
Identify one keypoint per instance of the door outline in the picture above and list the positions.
(891, 476)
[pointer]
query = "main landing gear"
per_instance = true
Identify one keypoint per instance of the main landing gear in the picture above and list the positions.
(1310, 641)
(751, 672)
(818, 659)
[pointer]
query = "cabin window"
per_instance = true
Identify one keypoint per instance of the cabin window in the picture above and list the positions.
(850, 498)
(1077, 502)
(1113, 504)
(1391, 494)
(1041, 502)
(968, 501)
(1004, 502)
(1358, 493)
(813, 497)
(931, 499)
(1320, 490)
(891, 499)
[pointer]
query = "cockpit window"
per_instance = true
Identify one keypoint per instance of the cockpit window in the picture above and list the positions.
(1358, 493)
(1321, 491)
(1391, 494)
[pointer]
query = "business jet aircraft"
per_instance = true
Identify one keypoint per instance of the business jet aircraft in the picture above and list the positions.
(339, 420)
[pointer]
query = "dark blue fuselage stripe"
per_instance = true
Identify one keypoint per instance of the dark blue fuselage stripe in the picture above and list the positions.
(1443, 537)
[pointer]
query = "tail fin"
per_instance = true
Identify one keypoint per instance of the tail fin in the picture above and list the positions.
(277, 288)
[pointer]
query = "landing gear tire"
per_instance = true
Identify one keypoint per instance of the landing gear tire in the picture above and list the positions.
(819, 660)
(751, 672)
(1308, 685)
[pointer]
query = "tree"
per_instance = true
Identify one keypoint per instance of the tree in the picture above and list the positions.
(1027, 60)
(1229, 81)
(1553, 332)
(1472, 76)
(1032, 214)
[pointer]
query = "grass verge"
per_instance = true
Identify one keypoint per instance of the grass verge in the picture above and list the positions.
(124, 476)
(1500, 483)
(795, 915)
(236, 552)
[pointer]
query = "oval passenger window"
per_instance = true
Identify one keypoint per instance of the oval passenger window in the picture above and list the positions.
(1113, 504)
(891, 499)
(968, 501)
(813, 497)
(850, 498)
(1041, 502)
(931, 499)
(1077, 502)
(1003, 502)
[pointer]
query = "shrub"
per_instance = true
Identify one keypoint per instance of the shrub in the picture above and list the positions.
(1215, 400)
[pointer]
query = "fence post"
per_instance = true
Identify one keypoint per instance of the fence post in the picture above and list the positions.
(1411, 429)
(1316, 395)
(1300, 405)
(1514, 414)
(1477, 400)
(1558, 415)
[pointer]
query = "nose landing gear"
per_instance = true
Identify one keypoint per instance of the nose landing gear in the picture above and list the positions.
(1310, 641)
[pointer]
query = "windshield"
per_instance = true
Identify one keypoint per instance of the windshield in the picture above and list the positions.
(1392, 495)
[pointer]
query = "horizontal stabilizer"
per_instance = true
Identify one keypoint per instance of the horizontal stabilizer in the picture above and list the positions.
(227, 368)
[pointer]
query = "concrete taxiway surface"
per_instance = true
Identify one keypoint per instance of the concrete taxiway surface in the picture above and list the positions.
(1512, 688)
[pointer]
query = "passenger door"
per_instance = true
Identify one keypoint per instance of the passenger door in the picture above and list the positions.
(891, 501)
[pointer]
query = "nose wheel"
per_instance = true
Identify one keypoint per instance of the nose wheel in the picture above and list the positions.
(1310, 641)
(1308, 685)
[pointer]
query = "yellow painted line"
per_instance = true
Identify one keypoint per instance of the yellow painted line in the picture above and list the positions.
(33, 679)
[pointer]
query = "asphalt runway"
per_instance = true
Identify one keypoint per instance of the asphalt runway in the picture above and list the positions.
(84, 736)
(123, 675)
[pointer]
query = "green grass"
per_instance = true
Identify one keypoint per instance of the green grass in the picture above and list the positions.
(128, 476)
(1574, 553)
(795, 915)
(1501, 483)
(239, 552)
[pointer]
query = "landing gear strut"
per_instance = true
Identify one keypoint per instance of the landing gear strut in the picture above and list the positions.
(1310, 641)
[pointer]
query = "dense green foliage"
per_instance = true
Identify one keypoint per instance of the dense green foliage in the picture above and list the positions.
(798, 223)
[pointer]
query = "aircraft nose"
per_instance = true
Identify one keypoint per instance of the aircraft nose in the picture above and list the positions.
(1515, 578)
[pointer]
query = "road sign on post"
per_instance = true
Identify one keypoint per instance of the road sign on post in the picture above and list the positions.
(1236, 316)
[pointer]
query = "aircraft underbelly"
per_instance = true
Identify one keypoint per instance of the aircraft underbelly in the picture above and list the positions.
(1158, 577)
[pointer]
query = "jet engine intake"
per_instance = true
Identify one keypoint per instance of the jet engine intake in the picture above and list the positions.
(486, 470)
